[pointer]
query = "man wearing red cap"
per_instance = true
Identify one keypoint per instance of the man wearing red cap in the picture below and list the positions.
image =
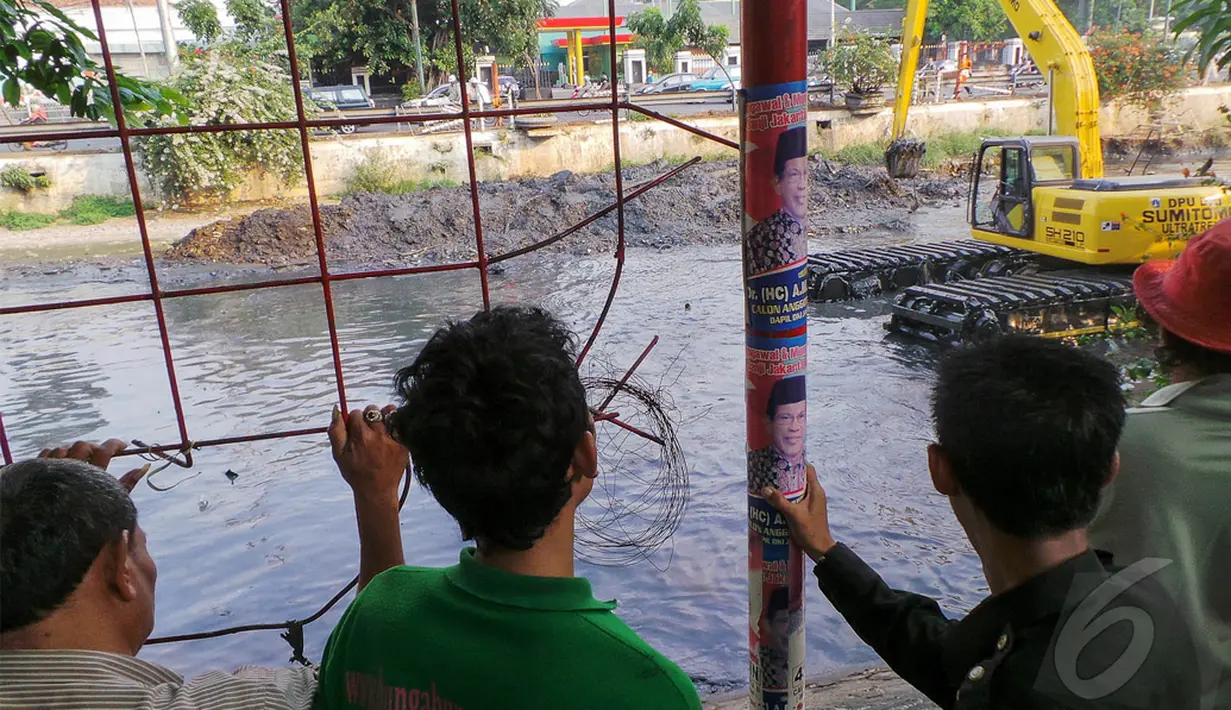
(1172, 498)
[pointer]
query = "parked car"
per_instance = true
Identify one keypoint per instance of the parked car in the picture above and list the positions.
(341, 98)
(450, 93)
(678, 81)
(507, 84)
(715, 80)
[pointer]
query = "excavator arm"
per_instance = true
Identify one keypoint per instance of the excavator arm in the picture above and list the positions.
(1054, 45)
(908, 66)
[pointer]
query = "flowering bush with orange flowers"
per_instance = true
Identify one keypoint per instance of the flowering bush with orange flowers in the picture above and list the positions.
(1139, 69)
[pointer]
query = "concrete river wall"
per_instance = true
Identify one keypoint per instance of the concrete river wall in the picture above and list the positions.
(587, 147)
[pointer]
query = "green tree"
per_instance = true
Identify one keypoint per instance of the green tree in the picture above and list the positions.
(977, 20)
(688, 25)
(662, 38)
(378, 32)
(659, 44)
(1211, 19)
(257, 25)
(1132, 15)
(201, 18)
(41, 48)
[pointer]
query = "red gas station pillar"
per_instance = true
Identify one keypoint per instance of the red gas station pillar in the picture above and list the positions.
(774, 187)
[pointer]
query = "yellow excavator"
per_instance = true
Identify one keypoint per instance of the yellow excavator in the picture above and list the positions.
(1040, 209)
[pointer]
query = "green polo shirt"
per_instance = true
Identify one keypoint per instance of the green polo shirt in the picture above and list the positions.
(1171, 500)
(471, 637)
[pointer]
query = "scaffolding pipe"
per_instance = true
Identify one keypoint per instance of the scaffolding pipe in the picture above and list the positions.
(773, 107)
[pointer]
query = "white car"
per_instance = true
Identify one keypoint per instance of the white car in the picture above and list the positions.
(450, 94)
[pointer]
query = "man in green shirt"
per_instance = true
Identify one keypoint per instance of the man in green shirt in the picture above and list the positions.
(495, 419)
(1172, 499)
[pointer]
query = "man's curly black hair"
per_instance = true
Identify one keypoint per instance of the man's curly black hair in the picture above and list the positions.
(492, 412)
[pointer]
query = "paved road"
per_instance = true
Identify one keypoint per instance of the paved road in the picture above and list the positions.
(708, 104)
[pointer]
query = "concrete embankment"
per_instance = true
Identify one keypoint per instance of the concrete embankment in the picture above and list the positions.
(875, 689)
(584, 148)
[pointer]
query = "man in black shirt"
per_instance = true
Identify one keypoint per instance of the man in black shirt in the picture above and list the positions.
(1027, 432)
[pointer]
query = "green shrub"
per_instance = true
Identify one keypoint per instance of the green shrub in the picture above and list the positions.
(1139, 69)
(96, 209)
(861, 154)
(221, 87)
(377, 172)
(25, 178)
(860, 63)
(21, 221)
(941, 147)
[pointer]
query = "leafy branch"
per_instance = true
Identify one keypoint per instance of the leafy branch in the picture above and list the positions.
(41, 47)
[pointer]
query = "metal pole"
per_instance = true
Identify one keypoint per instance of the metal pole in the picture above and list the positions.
(169, 48)
(145, 65)
(1051, 99)
(833, 21)
(1167, 22)
(414, 31)
(773, 184)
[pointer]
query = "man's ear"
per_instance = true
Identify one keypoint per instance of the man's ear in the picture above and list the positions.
(1115, 469)
(943, 479)
(120, 573)
(585, 458)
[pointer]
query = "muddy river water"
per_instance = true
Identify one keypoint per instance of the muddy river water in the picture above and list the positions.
(281, 539)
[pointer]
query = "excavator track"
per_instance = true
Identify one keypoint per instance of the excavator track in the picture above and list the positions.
(1050, 305)
(864, 273)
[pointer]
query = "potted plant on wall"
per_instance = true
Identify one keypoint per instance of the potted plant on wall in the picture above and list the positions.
(863, 65)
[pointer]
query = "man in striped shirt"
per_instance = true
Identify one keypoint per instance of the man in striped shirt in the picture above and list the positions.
(77, 599)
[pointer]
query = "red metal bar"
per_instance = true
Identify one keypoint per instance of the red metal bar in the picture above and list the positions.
(619, 185)
(232, 288)
(468, 130)
(148, 251)
(629, 373)
(4, 443)
(317, 228)
(680, 124)
(629, 427)
(84, 303)
(640, 190)
(92, 133)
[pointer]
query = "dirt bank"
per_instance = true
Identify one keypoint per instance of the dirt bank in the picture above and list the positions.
(700, 206)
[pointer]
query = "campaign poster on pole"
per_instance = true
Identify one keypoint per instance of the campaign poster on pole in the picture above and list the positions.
(775, 243)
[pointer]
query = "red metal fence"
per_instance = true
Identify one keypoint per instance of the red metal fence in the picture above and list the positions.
(181, 451)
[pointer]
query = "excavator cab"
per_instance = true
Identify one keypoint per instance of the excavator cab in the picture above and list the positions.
(1005, 173)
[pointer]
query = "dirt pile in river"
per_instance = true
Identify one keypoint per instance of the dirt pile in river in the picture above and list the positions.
(700, 206)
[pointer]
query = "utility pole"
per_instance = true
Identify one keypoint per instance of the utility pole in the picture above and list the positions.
(169, 47)
(414, 31)
(145, 65)
(774, 143)
(1167, 22)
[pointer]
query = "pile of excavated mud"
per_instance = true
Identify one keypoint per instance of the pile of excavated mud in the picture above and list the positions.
(699, 206)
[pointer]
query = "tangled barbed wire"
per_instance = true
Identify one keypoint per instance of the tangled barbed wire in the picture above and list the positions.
(641, 494)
